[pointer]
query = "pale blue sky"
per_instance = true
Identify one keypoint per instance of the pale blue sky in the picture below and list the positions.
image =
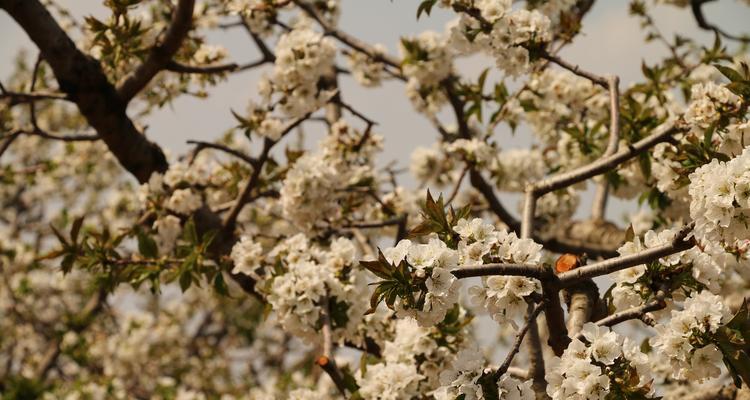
(611, 42)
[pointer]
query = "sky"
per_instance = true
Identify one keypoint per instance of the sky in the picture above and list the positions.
(611, 42)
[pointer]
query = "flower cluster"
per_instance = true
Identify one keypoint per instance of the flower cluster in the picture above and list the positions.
(720, 200)
(299, 278)
(431, 262)
(502, 296)
(303, 57)
(605, 363)
(317, 183)
(688, 270)
(685, 342)
(462, 380)
(707, 102)
(366, 70)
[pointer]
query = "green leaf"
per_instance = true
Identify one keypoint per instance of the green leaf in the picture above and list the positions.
(220, 285)
(425, 7)
(733, 341)
(731, 74)
(76, 229)
(186, 279)
(189, 233)
(147, 246)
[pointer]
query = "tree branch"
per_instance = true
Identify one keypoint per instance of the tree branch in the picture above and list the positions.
(161, 54)
(696, 7)
(533, 312)
(200, 145)
(596, 79)
(207, 69)
(604, 164)
(81, 78)
(326, 361)
(679, 243)
(231, 218)
(602, 189)
(527, 270)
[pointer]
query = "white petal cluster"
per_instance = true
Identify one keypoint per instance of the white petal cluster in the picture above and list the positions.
(427, 62)
(514, 30)
(256, 13)
(474, 149)
(300, 277)
(309, 191)
(515, 168)
(677, 338)
(433, 61)
(462, 377)
(587, 370)
(433, 260)
(707, 100)
(184, 201)
(367, 71)
(168, 229)
(303, 56)
(501, 296)
(315, 185)
(247, 256)
(720, 200)
(391, 381)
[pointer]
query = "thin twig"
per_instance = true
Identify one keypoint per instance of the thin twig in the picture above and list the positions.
(326, 361)
(599, 204)
(533, 312)
(596, 79)
(200, 145)
(161, 54)
(198, 69)
(245, 196)
(457, 186)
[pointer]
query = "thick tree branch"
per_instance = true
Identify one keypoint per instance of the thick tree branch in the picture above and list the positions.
(83, 81)
(604, 164)
(679, 243)
(527, 270)
(567, 243)
(161, 54)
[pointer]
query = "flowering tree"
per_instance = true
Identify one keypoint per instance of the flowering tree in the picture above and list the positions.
(254, 268)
